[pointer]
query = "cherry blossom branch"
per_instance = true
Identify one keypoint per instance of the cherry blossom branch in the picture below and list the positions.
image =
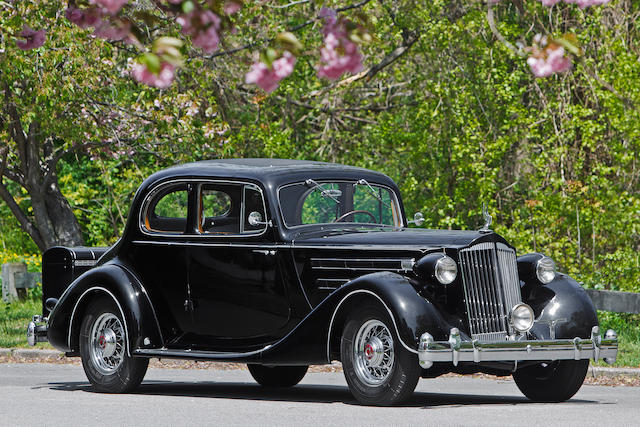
(272, 39)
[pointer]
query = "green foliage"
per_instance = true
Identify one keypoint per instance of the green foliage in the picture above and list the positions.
(457, 121)
(14, 319)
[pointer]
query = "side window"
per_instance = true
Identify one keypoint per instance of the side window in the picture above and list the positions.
(220, 208)
(253, 203)
(168, 212)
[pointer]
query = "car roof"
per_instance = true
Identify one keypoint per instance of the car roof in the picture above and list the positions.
(271, 172)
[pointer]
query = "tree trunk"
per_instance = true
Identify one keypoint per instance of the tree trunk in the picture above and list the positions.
(52, 221)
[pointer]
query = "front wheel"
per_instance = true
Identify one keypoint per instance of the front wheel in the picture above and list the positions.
(553, 381)
(277, 376)
(378, 369)
(103, 350)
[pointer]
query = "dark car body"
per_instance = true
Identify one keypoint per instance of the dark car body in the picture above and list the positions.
(218, 288)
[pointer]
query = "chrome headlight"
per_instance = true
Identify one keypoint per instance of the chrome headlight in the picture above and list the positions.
(446, 270)
(545, 270)
(521, 318)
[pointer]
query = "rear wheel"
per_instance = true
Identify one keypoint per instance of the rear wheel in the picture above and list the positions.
(277, 376)
(103, 350)
(553, 381)
(377, 367)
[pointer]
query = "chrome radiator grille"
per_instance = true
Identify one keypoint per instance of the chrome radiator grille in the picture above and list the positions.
(491, 288)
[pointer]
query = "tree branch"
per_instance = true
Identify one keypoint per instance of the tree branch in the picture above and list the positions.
(410, 38)
(494, 29)
(22, 218)
(15, 128)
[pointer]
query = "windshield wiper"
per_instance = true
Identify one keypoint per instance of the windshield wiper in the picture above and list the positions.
(371, 191)
(323, 191)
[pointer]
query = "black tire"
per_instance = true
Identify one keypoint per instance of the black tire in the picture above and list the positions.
(103, 332)
(277, 376)
(380, 372)
(552, 382)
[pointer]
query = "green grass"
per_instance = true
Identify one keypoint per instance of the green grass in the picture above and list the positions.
(628, 328)
(15, 317)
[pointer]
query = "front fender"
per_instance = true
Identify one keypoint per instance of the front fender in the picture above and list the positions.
(109, 281)
(313, 340)
(562, 309)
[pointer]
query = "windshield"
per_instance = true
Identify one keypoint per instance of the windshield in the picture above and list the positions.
(325, 202)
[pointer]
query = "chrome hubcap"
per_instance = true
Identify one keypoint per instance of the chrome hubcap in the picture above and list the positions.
(374, 355)
(107, 343)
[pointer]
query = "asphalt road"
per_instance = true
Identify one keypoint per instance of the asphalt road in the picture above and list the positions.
(49, 394)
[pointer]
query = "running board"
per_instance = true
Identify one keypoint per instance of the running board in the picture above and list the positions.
(167, 353)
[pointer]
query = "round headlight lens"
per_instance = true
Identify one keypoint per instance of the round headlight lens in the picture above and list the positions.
(446, 270)
(545, 270)
(522, 318)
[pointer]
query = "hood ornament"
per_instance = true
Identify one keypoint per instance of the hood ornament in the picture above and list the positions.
(487, 219)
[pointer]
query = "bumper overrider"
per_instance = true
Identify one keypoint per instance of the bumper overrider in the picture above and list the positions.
(456, 350)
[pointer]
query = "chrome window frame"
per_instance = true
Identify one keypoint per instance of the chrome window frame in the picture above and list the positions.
(320, 181)
(146, 202)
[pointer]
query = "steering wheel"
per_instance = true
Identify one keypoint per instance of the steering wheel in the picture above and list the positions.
(343, 216)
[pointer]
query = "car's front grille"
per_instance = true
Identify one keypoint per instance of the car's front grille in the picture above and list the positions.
(491, 288)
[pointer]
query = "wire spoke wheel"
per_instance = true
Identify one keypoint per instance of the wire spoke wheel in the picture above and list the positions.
(107, 343)
(374, 355)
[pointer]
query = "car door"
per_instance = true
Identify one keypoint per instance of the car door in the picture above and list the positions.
(240, 300)
(161, 257)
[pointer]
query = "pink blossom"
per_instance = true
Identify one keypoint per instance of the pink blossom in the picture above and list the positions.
(586, 3)
(231, 7)
(203, 26)
(83, 18)
(268, 78)
(175, 1)
(161, 80)
(339, 55)
(112, 6)
(551, 60)
(32, 38)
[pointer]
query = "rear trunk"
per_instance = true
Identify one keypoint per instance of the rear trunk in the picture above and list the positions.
(62, 265)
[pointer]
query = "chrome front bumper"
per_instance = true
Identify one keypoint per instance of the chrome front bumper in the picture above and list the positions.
(455, 350)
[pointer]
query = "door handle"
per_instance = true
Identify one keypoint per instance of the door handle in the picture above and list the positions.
(264, 252)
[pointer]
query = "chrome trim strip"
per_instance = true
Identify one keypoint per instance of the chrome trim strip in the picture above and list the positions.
(430, 351)
(381, 248)
(385, 306)
(84, 262)
(173, 353)
(124, 320)
(361, 259)
(396, 270)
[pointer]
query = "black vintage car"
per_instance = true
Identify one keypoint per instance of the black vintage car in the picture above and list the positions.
(282, 264)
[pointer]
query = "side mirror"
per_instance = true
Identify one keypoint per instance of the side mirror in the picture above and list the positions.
(255, 218)
(418, 219)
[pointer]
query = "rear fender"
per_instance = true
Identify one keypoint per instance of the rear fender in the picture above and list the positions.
(113, 282)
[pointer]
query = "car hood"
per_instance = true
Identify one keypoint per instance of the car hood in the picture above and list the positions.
(393, 238)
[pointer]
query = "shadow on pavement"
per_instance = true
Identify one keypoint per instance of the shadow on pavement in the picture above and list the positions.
(301, 393)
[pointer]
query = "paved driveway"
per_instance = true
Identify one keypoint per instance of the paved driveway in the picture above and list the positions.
(49, 394)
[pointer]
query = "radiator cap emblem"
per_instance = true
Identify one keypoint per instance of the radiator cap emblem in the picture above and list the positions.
(487, 219)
